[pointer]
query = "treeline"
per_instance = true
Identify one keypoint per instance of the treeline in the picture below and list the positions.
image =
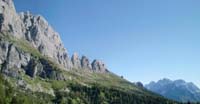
(76, 94)
(101, 95)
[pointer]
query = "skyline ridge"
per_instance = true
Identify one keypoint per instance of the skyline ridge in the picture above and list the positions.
(174, 61)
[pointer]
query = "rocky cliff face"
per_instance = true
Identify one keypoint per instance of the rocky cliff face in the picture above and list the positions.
(42, 36)
(99, 66)
(14, 61)
(76, 61)
(36, 31)
(9, 19)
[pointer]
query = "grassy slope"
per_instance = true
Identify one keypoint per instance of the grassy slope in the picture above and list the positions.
(81, 78)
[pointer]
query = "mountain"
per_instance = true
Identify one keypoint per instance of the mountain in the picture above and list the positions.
(35, 68)
(178, 90)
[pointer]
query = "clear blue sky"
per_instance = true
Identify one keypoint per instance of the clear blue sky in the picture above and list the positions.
(143, 40)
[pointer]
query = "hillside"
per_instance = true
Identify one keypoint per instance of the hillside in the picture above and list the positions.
(36, 68)
(76, 85)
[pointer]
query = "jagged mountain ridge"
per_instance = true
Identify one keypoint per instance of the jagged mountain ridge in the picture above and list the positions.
(33, 60)
(36, 30)
(177, 90)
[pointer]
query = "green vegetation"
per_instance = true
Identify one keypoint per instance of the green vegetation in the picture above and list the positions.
(80, 86)
(102, 95)
(75, 75)
(12, 95)
(76, 94)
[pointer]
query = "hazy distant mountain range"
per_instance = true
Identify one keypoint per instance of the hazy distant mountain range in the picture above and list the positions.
(177, 90)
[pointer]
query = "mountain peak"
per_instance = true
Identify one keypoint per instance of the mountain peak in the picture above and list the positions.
(179, 81)
(36, 30)
(76, 61)
(9, 19)
(99, 66)
(179, 90)
(165, 80)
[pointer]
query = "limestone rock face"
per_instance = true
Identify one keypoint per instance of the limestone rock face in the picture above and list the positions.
(85, 63)
(9, 19)
(98, 66)
(14, 61)
(42, 36)
(76, 61)
(34, 29)
(3, 51)
(37, 32)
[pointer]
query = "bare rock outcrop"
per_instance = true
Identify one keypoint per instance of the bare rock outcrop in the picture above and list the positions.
(36, 30)
(14, 62)
(85, 63)
(9, 19)
(76, 61)
(99, 66)
(42, 36)
(39, 34)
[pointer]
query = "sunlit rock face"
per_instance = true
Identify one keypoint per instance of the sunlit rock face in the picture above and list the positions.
(9, 19)
(99, 66)
(76, 61)
(42, 36)
(39, 34)
(85, 63)
(34, 29)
